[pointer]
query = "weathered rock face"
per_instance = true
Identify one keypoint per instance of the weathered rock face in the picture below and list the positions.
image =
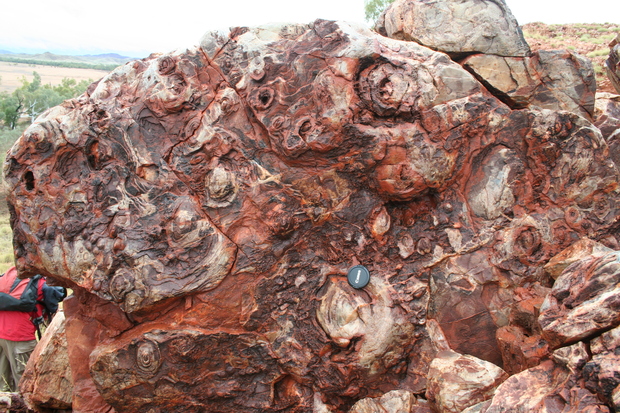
(456, 27)
(206, 206)
(557, 80)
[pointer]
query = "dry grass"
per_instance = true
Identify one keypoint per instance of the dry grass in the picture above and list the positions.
(6, 241)
(7, 138)
(11, 73)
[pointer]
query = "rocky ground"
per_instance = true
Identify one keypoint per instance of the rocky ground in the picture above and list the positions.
(589, 40)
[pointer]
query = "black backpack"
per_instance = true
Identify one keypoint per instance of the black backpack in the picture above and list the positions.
(17, 294)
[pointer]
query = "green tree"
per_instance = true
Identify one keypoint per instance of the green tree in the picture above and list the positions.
(10, 109)
(70, 88)
(33, 98)
(374, 8)
(34, 85)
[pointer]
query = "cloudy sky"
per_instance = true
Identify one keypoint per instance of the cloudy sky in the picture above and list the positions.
(138, 27)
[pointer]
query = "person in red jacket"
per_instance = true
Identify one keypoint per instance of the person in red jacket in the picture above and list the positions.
(17, 335)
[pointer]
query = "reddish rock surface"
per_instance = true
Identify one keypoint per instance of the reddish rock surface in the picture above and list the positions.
(205, 206)
(83, 332)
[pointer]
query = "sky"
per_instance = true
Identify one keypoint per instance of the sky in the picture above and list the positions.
(137, 28)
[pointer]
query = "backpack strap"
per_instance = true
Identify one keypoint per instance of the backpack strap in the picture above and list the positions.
(15, 284)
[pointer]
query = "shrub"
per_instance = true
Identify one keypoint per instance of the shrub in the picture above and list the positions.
(598, 52)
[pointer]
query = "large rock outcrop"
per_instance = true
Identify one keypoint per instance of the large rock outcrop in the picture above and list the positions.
(206, 206)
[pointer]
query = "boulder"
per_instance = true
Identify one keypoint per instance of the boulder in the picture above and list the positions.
(455, 27)
(207, 206)
(47, 380)
(612, 64)
(584, 300)
(607, 113)
(396, 401)
(456, 381)
(557, 80)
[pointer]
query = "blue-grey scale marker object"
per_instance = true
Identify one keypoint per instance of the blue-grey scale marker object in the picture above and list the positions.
(358, 276)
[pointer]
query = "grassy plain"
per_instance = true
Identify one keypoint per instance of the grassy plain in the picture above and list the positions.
(11, 74)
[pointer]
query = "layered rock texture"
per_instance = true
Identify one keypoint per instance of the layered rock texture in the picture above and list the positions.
(206, 206)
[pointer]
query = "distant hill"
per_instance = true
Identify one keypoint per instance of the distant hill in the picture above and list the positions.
(110, 56)
(106, 61)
